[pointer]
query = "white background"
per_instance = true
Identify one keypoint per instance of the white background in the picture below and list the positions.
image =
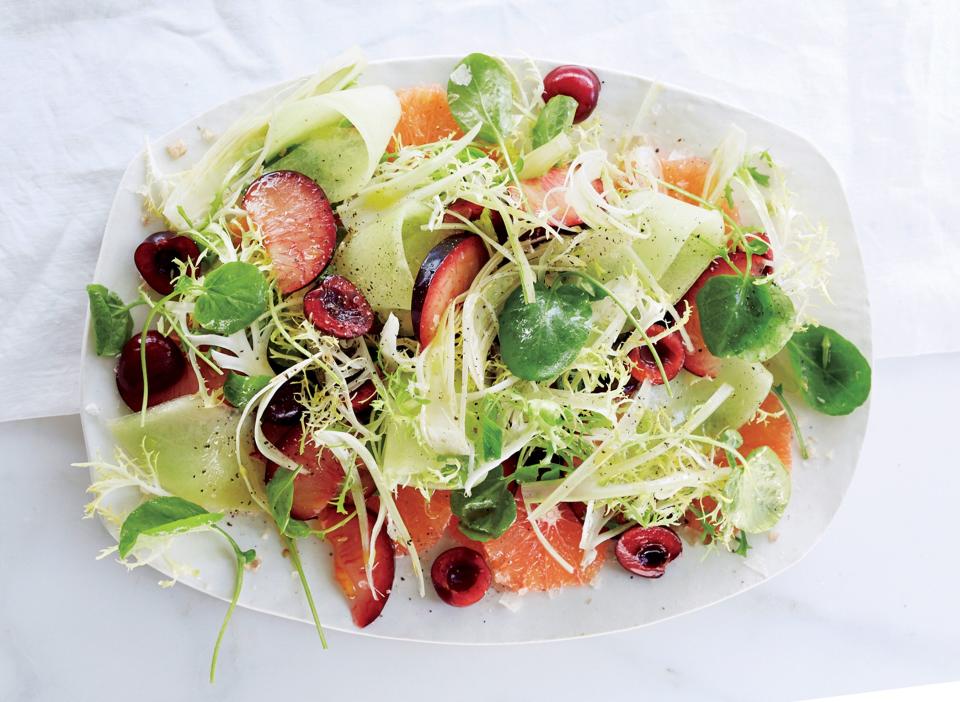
(875, 85)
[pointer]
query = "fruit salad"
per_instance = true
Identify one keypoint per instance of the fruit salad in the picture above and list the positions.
(468, 331)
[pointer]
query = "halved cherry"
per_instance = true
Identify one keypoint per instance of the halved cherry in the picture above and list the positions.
(157, 259)
(466, 209)
(363, 396)
(446, 272)
(699, 360)
(283, 407)
(319, 479)
(461, 576)
(349, 566)
(646, 551)
(548, 194)
(298, 226)
(168, 372)
(669, 349)
(337, 308)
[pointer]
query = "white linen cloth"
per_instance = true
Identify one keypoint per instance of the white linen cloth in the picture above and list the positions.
(875, 85)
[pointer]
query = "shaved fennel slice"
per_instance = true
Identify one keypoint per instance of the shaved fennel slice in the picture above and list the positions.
(238, 154)
(724, 163)
(547, 546)
(373, 111)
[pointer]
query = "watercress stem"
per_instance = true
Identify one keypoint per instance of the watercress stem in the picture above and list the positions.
(237, 586)
(778, 391)
(143, 350)
(291, 545)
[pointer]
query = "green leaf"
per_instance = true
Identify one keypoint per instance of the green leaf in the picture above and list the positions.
(742, 544)
(112, 322)
(488, 511)
(833, 376)
(239, 389)
(728, 194)
(234, 295)
(163, 515)
(555, 118)
(491, 433)
(758, 492)
(541, 339)
(755, 245)
(739, 318)
(280, 501)
(480, 91)
(760, 178)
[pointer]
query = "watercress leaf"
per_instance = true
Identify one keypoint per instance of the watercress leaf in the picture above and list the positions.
(112, 322)
(280, 497)
(488, 511)
(480, 91)
(760, 178)
(832, 374)
(541, 339)
(554, 472)
(739, 318)
(758, 492)
(239, 389)
(742, 544)
(234, 295)
(756, 245)
(297, 529)
(526, 474)
(555, 118)
(163, 515)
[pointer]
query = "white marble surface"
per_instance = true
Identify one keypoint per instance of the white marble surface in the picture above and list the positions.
(873, 606)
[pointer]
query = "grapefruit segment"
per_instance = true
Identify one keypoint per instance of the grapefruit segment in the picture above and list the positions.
(520, 562)
(775, 432)
(690, 174)
(426, 520)
(425, 117)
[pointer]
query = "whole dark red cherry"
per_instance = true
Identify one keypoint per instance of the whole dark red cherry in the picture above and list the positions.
(460, 576)
(578, 82)
(646, 551)
(166, 366)
(158, 255)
